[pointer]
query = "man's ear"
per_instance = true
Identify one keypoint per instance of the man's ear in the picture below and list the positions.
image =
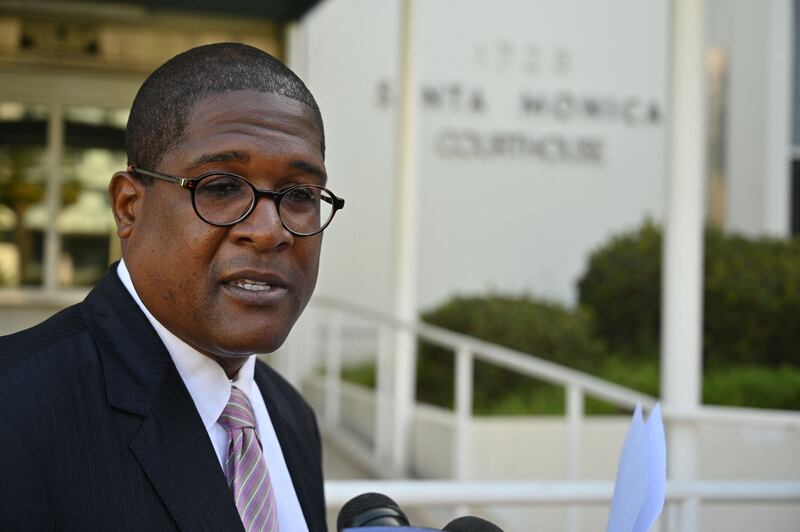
(126, 193)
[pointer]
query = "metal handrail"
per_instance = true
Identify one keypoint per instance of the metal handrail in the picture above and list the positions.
(451, 492)
(530, 365)
(518, 361)
(577, 384)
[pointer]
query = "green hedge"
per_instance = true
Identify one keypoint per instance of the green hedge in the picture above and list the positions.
(621, 291)
(748, 386)
(751, 338)
(751, 297)
(753, 386)
(544, 329)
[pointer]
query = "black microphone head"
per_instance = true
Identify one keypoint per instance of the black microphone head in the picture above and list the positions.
(370, 509)
(470, 523)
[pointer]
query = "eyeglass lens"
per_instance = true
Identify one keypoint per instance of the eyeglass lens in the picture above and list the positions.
(224, 199)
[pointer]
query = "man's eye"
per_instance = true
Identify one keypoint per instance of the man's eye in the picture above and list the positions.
(302, 195)
(221, 187)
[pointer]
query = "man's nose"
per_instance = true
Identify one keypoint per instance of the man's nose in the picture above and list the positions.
(263, 228)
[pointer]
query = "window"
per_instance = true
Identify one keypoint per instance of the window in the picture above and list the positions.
(56, 228)
(23, 176)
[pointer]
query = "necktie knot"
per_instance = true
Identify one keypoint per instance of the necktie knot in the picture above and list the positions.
(238, 413)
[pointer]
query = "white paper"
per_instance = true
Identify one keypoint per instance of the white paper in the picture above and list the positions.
(656, 471)
(641, 476)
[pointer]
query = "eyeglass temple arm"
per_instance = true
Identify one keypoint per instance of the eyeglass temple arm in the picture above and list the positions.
(182, 181)
(338, 203)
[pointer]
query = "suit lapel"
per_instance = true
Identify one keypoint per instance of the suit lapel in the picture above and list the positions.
(174, 450)
(171, 445)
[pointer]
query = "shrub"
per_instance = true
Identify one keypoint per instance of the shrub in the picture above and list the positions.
(747, 386)
(621, 290)
(751, 296)
(752, 300)
(751, 340)
(544, 329)
(754, 387)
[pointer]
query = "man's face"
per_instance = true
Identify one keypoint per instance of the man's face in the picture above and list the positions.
(197, 279)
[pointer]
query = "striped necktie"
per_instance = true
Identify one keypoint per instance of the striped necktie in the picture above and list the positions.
(246, 467)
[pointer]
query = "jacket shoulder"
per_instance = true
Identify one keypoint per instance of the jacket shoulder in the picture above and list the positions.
(16, 347)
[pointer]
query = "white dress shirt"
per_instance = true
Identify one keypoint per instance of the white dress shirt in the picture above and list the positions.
(210, 389)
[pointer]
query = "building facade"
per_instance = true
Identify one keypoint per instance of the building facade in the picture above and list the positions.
(532, 132)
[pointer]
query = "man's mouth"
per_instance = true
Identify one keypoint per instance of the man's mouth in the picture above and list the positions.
(249, 284)
(255, 287)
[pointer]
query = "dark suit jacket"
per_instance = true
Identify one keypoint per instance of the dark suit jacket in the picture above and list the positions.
(98, 431)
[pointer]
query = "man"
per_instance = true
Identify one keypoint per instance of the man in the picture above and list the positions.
(142, 408)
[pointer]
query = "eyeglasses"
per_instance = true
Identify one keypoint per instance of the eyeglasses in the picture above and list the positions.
(224, 199)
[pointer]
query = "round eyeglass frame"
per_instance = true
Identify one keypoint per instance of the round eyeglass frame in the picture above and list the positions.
(191, 184)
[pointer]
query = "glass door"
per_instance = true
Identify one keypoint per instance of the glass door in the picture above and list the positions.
(56, 227)
(23, 187)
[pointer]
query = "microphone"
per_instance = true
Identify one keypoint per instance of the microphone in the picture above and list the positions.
(470, 523)
(375, 512)
(370, 509)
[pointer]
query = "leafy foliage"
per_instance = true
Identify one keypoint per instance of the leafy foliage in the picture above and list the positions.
(751, 296)
(751, 338)
(738, 385)
(544, 329)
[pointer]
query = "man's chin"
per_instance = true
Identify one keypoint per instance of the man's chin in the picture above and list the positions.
(247, 347)
(232, 357)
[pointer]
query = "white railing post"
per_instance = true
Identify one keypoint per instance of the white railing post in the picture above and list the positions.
(688, 516)
(383, 382)
(462, 446)
(669, 517)
(575, 411)
(682, 448)
(333, 371)
(463, 410)
(404, 397)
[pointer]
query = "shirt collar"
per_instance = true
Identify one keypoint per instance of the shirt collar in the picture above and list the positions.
(206, 381)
